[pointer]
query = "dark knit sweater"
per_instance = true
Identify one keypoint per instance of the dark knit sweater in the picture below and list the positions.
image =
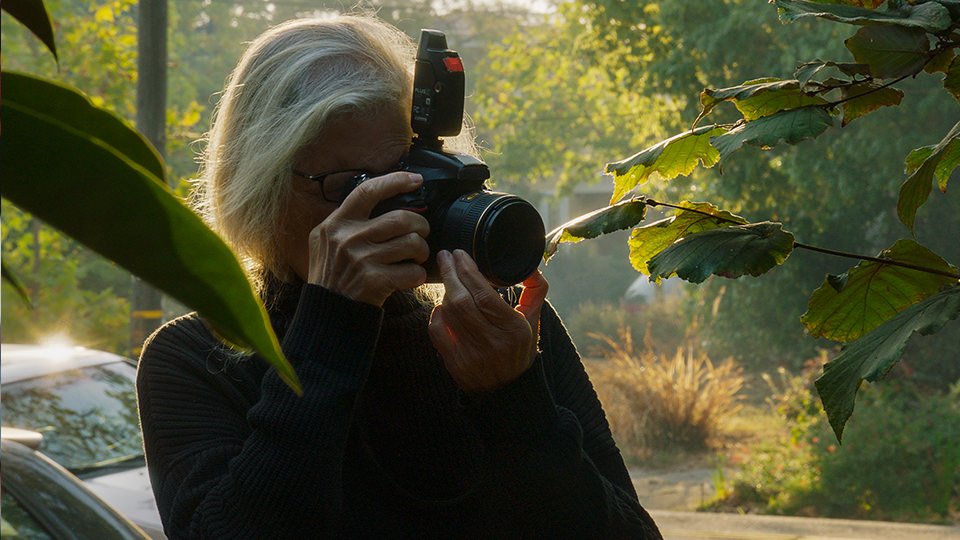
(381, 444)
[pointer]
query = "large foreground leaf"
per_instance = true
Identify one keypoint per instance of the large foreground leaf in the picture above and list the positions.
(728, 252)
(756, 99)
(622, 215)
(34, 15)
(649, 240)
(676, 156)
(71, 169)
(790, 126)
(873, 355)
(938, 162)
(890, 52)
(930, 16)
(846, 307)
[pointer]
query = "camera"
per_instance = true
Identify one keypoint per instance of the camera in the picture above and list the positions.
(503, 233)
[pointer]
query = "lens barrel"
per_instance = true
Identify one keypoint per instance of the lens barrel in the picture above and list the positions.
(503, 233)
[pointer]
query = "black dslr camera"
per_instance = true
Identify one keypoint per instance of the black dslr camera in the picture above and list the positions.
(503, 233)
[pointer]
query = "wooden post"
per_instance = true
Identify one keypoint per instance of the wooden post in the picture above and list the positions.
(146, 311)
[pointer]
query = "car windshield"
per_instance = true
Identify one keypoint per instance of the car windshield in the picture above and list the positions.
(88, 416)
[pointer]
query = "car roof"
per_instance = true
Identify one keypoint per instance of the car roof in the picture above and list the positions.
(20, 362)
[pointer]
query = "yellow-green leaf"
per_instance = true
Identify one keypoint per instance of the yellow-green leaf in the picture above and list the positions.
(647, 241)
(952, 81)
(759, 98)
(871, 357)
(622, 215)
(729, 252)
(874, 292)
(866, 97)
(676, 156)
(939, 163)
(929, 16)
(790, 126)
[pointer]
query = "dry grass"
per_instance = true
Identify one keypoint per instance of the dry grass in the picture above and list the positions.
(656, 402)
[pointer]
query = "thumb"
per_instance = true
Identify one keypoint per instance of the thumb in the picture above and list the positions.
(532, 297)
(361, 201)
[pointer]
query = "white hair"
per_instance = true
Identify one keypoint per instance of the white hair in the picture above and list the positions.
(292, 81)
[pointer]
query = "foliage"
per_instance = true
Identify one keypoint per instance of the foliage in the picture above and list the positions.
(895, 42)
(899, 460)
(114, 175)
(657, 402)
(72, 292)
(662, 326)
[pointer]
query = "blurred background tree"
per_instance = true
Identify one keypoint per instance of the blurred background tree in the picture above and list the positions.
(606, 78)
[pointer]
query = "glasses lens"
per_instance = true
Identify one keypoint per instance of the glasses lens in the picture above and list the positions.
(335, 184)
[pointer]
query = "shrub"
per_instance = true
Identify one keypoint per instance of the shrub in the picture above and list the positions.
(657, 402)
(663, 326)
(900, 457)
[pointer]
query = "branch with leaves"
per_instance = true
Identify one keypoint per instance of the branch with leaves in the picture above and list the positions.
(876, 306)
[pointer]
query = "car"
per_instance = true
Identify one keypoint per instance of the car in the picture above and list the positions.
(83, 403)
(41, 499)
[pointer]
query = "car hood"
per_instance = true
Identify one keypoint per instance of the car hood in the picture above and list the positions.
(130, 494)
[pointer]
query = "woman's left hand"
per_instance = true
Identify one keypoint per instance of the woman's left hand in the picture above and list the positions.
(484, 342)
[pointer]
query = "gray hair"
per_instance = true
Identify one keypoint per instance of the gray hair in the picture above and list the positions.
(293, 80)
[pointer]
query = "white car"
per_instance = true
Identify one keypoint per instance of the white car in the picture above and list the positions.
(41, 499)
(84, 403)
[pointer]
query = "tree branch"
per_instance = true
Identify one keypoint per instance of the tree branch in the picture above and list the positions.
(801, 245)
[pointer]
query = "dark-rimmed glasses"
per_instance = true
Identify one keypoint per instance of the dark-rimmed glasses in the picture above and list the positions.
(332, 183)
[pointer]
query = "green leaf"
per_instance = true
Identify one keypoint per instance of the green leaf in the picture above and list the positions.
(866, 97)
(34, 15)
(676, 156)
(649, 240)
(728, 252)
(952, 81)
(939, 163)
(916, 157)
(72, 108)
(60, 169)
(808, 70)
(758, 99)
(941, 62)
(874, 292)
(872, 356)
(15, 282)
(930, 16)
(790, 126)
(622, 215)
(890, 52)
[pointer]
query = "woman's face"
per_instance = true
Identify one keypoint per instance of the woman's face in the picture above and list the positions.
(374, 145)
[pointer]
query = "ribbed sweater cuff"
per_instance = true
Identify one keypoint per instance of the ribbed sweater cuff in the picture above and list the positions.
(521, 410)
(340, 329)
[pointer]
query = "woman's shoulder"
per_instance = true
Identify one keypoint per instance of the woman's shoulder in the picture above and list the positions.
(182, 334)
(188, 347)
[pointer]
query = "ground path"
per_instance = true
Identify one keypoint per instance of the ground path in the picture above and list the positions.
(672, 496)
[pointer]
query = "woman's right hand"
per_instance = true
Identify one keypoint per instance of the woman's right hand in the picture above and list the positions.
(367, 259)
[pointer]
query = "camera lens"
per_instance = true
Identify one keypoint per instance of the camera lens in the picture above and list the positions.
(503, 233)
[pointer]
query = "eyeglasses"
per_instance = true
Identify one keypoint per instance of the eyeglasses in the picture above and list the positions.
(332, 183)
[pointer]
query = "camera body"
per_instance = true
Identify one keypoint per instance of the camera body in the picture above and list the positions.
(503, 233)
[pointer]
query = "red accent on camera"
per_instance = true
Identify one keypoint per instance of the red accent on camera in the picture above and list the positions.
(453, 63)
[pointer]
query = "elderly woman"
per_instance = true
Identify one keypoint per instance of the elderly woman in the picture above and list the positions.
(464, 418)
